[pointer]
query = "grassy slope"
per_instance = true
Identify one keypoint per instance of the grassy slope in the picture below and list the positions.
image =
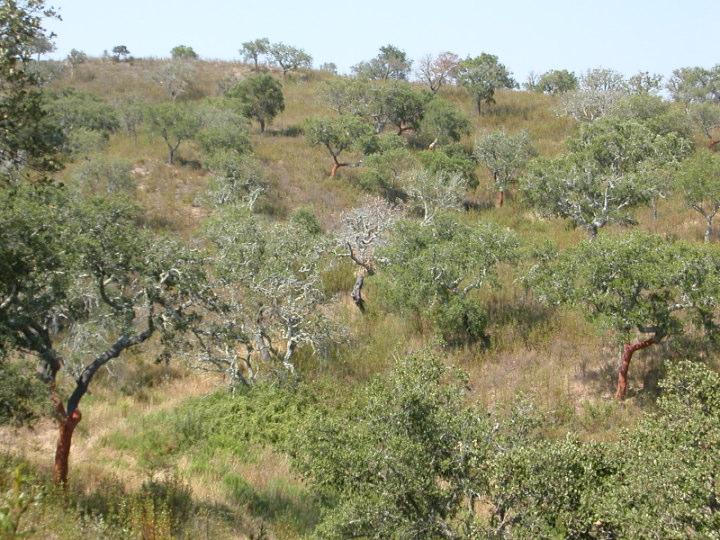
(130, 431)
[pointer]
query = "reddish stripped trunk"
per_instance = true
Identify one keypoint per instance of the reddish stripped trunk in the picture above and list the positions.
(62, 450)
(713, 144)
(335, 168)
(501, 199)
(628, 350)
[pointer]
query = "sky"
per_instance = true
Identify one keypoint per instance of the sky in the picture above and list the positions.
(626, 35)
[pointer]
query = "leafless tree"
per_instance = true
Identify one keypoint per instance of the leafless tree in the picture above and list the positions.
(362, 230)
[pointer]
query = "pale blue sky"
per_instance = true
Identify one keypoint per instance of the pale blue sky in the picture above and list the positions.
(627, 35)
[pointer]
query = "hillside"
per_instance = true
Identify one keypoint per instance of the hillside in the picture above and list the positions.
(166, 450)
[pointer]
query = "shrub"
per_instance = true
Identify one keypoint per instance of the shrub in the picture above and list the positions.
(105, 176)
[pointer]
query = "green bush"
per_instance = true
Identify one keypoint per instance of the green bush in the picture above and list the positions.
(105, 176)
(23, 397)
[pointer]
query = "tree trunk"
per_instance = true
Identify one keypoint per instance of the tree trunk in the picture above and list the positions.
(479, 106)
(335, 168)
(62, 449)
(501, 198)
(713, 144)
(628, 350)
(357, 291)
(708, 229)
(262, 126)
(171, 156)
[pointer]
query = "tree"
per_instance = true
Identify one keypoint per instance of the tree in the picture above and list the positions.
(402, 459)
(238, 178)
(72, 109)
(289, 58)
(222, 129)
(337, 135)
(270, 275)
(260, 97)
(390, 64)
(599, 90)
(706, 116)
(362, 231)
(404, 106)
(92, 274)
(652, 481)
(699, 181)
(695, 84)
(26, 136)
(482, 76)
(175, 77)
(555, 81)
(644, 83)
(358, 97)
(253, 50)
(443, 123)
(131, 113)
(329, 67)
(120, 53)
(76, 58)
(104, 176)
(438, 71)
(505, 156)
(42, 44)
(636, 284)
(611, 169)
(431, 269)
(430, 192)
(183, 52)
(173, 122)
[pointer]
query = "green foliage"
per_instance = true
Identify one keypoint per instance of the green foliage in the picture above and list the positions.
(482, 76)
(120, 53)
(174, 122)
(307, 221)
(34, 259)
(611, 169)
(26, 136)
(23, 398)
(656, 481)
(72, 109)
(401, 459)
(451, 159)
(105, 176)
(658, 115)
(431, 270)
(382, 171)
(337, 134)
(390, 64)
(223, 129)
(289, 58)
(699, 182)
(253, 50)
(260, 97)
(443, 122)
(695, 84)
(82, 142)
(637, 282)
(404, 106)
(237, 178)
(183, 52)
(504, 155)
(555, 81)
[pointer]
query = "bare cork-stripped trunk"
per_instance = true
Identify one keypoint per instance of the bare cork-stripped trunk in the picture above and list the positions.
(628, 350)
